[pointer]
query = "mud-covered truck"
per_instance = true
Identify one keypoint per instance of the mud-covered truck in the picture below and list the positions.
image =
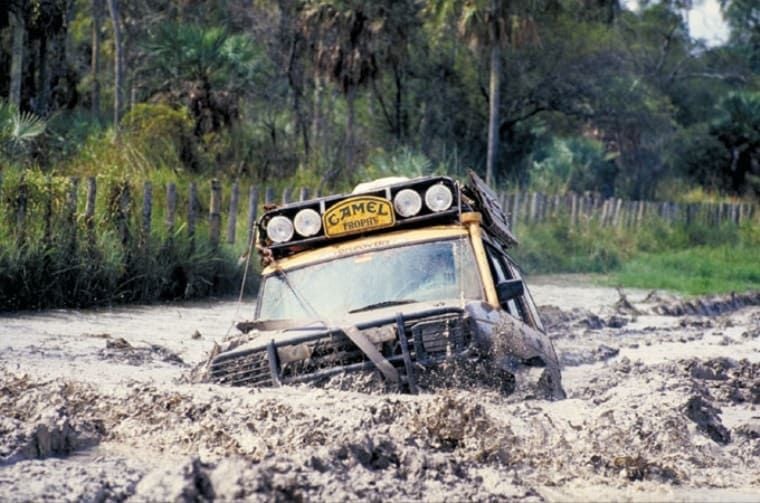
(400, 277)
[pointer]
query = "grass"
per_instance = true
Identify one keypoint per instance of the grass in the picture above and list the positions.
(694, 271)
(692, 260)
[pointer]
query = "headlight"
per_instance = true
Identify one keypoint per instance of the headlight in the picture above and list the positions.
(280, 229)
(407, 203)
(438, 197)
(307, 222)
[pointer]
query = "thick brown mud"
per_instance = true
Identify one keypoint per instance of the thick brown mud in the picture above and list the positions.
(662, 405)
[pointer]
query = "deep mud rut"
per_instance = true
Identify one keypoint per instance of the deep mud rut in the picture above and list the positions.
(663, 404)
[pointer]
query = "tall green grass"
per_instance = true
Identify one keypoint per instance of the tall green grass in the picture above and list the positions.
(699, 270)
(51, 261)
(693, 259)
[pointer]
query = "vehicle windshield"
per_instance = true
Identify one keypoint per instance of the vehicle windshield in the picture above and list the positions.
(372, 280)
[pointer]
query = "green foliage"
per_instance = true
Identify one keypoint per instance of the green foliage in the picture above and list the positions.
(48, 259)
(558, 247)
(189, 52)
(693, 259)
(694, 271)
(162, 134)
(17, 130)
(724, 153)
(576, 164)
(593, 97)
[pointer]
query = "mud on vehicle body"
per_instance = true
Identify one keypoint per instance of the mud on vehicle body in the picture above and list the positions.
(400, 276)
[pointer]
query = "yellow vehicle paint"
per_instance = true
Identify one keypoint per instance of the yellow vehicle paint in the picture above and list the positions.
(378, 241)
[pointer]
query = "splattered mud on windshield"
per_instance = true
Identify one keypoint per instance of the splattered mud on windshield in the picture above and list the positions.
(663, 400)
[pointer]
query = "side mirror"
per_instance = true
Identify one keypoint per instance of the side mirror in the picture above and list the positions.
(509, 289)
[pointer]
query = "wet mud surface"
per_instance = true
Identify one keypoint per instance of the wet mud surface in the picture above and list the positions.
(663, 404)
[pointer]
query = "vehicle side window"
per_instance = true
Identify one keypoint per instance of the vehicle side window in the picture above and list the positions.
(527, 299)
(500, 272)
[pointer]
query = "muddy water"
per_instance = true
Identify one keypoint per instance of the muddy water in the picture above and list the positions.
(96, 405)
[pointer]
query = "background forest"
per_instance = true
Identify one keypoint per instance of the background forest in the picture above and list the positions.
(574, 94)
(550, 95)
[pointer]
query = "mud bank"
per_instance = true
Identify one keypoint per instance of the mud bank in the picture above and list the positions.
(95, 405)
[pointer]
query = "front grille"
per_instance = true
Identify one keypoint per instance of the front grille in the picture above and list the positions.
(435, 339)
(431, 339)
(336, 350)
(251, 369)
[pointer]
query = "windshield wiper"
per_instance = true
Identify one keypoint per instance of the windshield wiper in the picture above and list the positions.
(385, 303)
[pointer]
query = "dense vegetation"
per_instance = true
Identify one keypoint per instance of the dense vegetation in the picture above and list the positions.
(542, 94)
(563, 93)
(694, 258)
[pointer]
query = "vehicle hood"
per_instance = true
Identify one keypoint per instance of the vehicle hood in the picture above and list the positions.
(283, 331)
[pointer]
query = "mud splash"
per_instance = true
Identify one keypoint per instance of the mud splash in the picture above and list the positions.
(658, 408)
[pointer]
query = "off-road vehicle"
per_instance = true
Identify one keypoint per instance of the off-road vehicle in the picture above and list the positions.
(400, 276)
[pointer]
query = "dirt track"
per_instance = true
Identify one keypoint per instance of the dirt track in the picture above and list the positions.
(663, 405)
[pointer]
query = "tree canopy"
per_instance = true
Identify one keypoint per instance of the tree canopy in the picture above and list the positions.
(568, 94)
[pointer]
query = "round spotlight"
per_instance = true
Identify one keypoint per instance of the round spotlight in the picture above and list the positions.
(280, 229)
(407, 203)
(307, 222)
(438, 197)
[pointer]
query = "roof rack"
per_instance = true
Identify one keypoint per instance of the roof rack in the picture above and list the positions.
(374, 208)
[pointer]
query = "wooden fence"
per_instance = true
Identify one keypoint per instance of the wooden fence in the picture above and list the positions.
(536, 207)
(227, 205)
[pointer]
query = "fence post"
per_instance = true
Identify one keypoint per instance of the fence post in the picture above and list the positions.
(603, 218)
(268, 197)
(253, 204)
(191, 211)
(304, 194)
(533, 207)
(171, 208)
(71, 212)
(286, 195)
(526, 208)
(147, 213)
(614, 211)
(89, 211)
(214, 213)
(21, 202)
(515, 209)
(232, 217)
(122, 215)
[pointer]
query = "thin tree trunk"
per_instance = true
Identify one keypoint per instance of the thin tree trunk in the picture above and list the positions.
(118, 94)
(493, 112)
(316, 116)
(350, 136)
(17, 58)
(398, 104)
(43, 81)
(97, 18)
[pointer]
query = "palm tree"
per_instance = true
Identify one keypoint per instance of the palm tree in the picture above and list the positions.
(17, 54)
(345, 39)
(118, 62)
(491, 26)
(201, 67)
(17, 130)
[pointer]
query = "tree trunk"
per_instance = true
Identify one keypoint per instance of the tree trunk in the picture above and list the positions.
(97, 18)
(43, 80)
(17, 59)
(316, 116)
(493, 112)
(118, 91)
(350, 136)
(398, 103)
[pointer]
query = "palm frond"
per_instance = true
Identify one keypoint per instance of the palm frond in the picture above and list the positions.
(26, 126)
